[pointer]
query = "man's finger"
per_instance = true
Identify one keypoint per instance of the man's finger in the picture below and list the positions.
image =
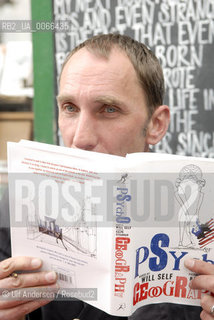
(18, 263)
(29, 280)
(207, 302)
(199, 267)
(206, 315)
(10, 298)
(203, 282)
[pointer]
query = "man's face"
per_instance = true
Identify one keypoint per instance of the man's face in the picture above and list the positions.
(102, 107)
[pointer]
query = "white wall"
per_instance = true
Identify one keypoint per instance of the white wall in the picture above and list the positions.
(19, 10)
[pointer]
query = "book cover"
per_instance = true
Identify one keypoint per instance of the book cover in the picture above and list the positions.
(119, 229)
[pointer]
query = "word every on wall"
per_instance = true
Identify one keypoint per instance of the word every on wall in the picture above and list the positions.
(181, 34)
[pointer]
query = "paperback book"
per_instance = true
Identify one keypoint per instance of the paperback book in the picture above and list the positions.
(115, 229)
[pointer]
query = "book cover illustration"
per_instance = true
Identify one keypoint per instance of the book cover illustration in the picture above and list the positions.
(193, 231)
(80, 237)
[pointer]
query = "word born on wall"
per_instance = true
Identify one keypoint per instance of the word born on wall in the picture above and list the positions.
(181, 34)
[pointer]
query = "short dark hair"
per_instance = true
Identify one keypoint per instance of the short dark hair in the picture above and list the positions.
(144, 61)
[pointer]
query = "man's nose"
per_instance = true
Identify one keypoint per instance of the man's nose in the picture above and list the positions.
(85, 135)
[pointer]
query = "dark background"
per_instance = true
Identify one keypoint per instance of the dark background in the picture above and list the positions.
(181, 34)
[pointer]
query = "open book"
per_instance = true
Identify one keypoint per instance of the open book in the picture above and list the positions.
(116, 230)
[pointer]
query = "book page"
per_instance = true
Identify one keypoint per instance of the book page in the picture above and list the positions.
(59, 211)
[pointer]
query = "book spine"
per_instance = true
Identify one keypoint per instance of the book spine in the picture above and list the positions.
(121, 295)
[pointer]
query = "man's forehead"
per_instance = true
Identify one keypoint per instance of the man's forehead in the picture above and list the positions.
(84, 54)
(104, 99)
(84, 68)
(94, 76)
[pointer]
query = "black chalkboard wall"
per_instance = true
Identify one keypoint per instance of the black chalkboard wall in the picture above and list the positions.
(181, 34)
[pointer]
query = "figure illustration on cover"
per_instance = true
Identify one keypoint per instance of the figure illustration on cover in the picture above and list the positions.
(189, 194)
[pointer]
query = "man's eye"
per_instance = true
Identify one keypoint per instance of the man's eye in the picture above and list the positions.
(110, 109)
(69, 108)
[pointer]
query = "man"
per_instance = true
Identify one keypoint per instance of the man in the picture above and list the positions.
(110, 100)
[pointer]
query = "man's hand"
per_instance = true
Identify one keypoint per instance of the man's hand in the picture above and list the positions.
(12, 309)
(204, 281)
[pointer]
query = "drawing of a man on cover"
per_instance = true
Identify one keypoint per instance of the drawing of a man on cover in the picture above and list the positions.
(189, 195)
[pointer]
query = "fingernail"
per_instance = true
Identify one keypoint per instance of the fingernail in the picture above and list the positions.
(5, 265)
(50, 276)
(189, 263)
(36, 263)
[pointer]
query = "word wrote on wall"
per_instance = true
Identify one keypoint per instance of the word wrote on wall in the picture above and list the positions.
(181, 34)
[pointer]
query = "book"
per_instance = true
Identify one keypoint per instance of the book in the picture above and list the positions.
(115, 229)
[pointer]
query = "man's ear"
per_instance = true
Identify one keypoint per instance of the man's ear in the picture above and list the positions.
(158, 125)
